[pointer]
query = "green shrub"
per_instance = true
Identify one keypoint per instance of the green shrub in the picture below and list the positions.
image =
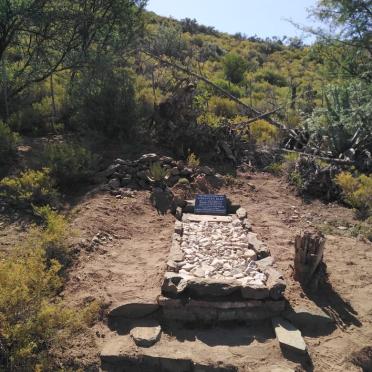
(234, 67)
(70, 163)
(263, 133)
(104, 100)
(53, 236)
(272, 77)
(223, 107)
(210, 119)
(192, 161)
(183, 181)
(31, 187)
(8, 144)
(275, 168)
(31, 319)
(357, 191)
(233, 89)
(157, 174)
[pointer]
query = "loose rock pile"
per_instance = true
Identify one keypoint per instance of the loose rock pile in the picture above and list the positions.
(133, 174)
(219, 250)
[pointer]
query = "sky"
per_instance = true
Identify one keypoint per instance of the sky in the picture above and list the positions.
(264, 18)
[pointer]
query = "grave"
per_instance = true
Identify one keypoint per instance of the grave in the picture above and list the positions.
(218, 273)
(217, 268)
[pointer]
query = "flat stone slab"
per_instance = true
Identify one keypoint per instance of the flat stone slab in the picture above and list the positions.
(146, 336)
(205, 218)
(134, 310)
(288, 335)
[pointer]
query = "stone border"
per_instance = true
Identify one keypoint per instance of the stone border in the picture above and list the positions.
(178, 285)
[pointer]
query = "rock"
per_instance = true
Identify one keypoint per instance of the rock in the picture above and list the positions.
(146, 336)
(255, 291)
(174, 171)
(199, 272)
(178, 227)
(121, 161)
(241, 213)
(204, 288)
(176, 254)
(246, 224)
(205, 170)
(111, 170)
(172, 265)
(258, 246)
(148, 158)
(173, 284)
(265, 263)
(134, 310)
(166, 160)
(179, 213)
(288, 335)
(216, 181)
(185, 172)
(275, 283)
(142, 174)
(114, 183)
(362, 358)
(126, 180)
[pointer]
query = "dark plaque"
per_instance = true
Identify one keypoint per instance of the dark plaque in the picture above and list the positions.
(210, 204)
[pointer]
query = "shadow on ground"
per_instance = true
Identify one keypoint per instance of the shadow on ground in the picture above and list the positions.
(334, 305)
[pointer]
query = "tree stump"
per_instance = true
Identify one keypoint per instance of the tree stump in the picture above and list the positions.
(309, 248)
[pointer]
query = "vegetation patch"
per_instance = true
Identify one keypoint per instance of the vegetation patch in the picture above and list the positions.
(70, 163)
(30, 188)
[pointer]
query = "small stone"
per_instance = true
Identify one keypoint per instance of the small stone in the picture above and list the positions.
(241, 213)
(178, 227)
(188, 267)
(114, 183)
(146, 336)
(239, 276)
(226, 266)
(174, 171)
(199, 273)
(250, 254)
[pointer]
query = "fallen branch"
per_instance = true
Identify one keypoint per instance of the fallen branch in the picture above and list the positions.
(330, 160)
(250, 110)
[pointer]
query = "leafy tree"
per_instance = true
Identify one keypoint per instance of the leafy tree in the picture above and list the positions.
(40, 38)
(103, 99)
(234, 67)
(347, 44)
(8, 143)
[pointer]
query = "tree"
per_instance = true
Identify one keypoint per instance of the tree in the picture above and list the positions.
(40, 38)
(347, 44)
(234, 68)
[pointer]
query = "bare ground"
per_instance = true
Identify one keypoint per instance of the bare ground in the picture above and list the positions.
(130, 264)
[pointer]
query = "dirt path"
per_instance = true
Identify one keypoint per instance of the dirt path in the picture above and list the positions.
(130, 266)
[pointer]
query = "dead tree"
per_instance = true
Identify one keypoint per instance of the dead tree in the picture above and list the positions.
(309, 248)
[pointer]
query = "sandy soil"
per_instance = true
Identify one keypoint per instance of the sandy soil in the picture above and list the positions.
(129, 266)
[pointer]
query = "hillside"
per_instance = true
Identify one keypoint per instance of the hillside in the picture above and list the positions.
(108, 132)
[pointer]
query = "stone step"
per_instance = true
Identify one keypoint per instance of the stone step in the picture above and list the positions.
(193, 350)
(206, 312)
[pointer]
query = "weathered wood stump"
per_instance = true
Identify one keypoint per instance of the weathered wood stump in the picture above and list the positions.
(309, 248)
